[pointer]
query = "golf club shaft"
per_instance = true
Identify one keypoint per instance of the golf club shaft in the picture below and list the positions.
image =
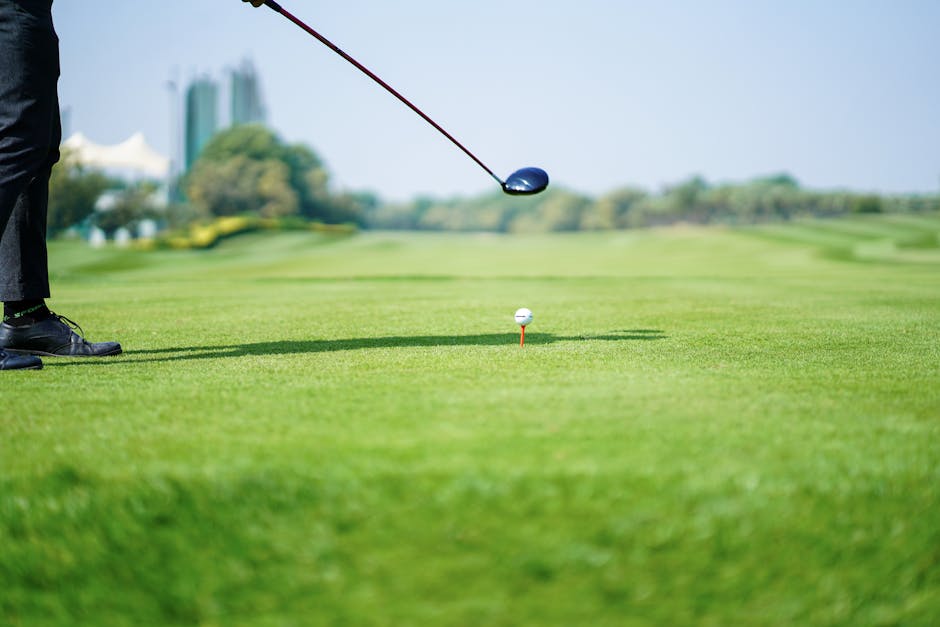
(329, 44)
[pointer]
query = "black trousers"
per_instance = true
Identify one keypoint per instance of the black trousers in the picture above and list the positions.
(30, 133)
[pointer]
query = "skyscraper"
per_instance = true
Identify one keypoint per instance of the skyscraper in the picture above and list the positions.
(202, 118)
(247, 104)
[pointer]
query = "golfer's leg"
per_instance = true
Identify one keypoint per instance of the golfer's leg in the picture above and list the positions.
(29, 146)
(23, 245)
(29, 138)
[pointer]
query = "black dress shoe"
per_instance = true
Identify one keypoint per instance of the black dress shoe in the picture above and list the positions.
(19, 362)
(53, 337)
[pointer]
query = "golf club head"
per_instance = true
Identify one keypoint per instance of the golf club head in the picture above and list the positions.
(526, 181)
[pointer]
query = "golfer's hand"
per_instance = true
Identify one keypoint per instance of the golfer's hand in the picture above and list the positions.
(255, 3)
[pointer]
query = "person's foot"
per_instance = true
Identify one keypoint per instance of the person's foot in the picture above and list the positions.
(19, 362)
(54, 336)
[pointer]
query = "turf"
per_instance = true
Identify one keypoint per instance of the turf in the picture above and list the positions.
(707, 426)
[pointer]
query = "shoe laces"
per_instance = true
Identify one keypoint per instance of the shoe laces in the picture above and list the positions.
(72, 325)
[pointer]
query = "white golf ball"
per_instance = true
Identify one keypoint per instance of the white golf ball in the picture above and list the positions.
(523, 317)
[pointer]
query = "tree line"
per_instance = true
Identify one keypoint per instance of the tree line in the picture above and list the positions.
(250, 171)
(766, 199)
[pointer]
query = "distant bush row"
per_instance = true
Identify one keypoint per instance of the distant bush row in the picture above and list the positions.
(695, 201)
(206, 234)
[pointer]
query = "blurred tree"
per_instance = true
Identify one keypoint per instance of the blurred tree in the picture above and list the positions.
(611, 210)
(130, 205)
(241, 185)
(350, 208)
(682, 200)
(562, 211)
(868, 203)
(782, 179)
(73, 192)
(399, 217)
(249, 169)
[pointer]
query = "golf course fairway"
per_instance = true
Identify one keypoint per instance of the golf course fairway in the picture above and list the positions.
(709, 426)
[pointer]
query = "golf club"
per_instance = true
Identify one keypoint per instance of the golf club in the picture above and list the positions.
(521, 182)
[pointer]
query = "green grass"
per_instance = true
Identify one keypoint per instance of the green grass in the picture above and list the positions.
(707, 426)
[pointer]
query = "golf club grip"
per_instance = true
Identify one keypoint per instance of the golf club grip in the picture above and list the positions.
(329, 44)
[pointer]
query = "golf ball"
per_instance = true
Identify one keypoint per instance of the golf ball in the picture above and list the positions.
(523, 317)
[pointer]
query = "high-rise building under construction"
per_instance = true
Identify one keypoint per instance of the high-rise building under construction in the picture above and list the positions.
(202, 107)
(247, 104)
(202, 118)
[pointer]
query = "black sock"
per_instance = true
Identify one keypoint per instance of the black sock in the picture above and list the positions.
(22, 313)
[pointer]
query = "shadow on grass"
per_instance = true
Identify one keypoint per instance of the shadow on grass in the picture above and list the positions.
(289, 347)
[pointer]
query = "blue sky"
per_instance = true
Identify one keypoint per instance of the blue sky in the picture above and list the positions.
(601, 93)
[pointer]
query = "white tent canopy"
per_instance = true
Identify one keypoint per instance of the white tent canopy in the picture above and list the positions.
(132, 154)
